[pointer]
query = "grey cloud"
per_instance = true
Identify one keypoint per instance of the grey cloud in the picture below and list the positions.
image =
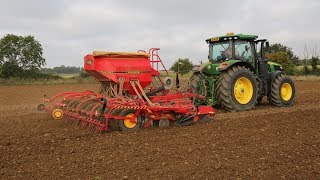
(70, 29)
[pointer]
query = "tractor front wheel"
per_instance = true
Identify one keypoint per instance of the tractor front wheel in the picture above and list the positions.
(282, 91)
(236, 89)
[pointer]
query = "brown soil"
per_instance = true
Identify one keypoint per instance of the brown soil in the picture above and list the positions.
(267, 142)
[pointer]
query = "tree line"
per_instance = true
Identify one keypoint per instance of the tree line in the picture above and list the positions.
(63, 70)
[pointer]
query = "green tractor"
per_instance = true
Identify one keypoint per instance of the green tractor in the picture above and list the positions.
(238, 75)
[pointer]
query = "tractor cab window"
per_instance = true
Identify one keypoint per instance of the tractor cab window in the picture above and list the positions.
(220, 51)
(243, 51)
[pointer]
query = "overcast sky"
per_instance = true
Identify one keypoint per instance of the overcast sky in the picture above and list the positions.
(70, 29)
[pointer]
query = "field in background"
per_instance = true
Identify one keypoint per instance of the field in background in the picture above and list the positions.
(47, 82)
(65, 79)
(66, 76)
(306, 78)
(310, 67)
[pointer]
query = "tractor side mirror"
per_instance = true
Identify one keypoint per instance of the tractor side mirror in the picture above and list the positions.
(267, 45)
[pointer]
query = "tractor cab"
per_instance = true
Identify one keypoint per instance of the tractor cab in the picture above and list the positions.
(242, 49)
(232, 47)
(226, 50)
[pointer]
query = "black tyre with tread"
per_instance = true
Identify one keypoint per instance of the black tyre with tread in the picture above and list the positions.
(112, 123)
(224, 90)
(275, 96)
(194, 83)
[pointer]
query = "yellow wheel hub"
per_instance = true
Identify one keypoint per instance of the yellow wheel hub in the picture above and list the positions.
(57, 114)
(243, 90)
(286, 91)
(128, 120)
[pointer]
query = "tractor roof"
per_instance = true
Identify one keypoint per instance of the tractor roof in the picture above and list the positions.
(232, 36)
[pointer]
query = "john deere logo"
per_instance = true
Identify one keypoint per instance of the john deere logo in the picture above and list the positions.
(89, 61)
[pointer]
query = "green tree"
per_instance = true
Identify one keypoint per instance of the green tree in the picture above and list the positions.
(283, 59)
(306, 70)
(22, 51)
(183, 66)
(10, 69)
(314, 63)
(282, 48)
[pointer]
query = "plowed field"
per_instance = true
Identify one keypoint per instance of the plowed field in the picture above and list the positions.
(267, 142)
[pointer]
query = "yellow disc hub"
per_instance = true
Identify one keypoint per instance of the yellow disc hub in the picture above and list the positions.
(130, 120)
(286, 91)
(243, 90)
(57, 114)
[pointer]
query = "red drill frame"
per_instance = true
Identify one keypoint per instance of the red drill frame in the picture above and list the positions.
(125, 78)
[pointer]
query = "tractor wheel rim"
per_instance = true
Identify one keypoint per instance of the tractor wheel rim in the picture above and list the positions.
(286, 91)
(127, 121)
(243, 90)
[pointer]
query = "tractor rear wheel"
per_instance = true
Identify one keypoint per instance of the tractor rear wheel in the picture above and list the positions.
(127, 124)
(194, 83)
(236, 89)
(195, 86)
(282, 91)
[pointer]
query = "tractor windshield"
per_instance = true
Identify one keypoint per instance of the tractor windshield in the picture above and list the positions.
(232, 49)
(220, 51)
(243, 51)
